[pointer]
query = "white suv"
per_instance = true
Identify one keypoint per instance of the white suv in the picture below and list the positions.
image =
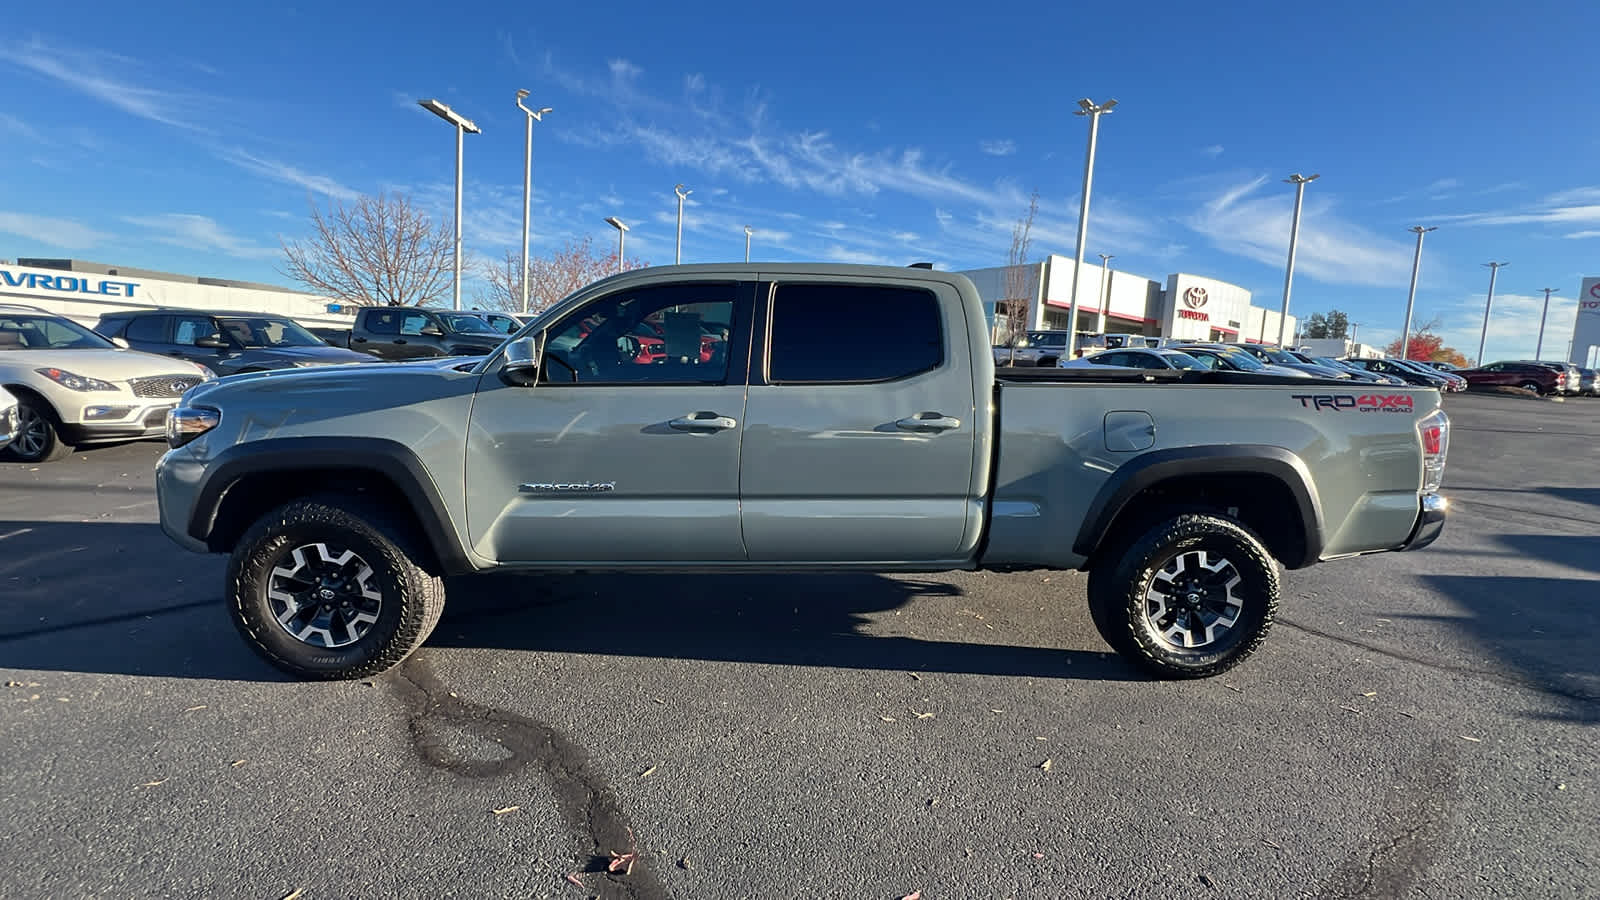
(74, 387)
(8, 417)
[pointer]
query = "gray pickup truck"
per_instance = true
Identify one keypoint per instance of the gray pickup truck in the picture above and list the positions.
(784, 417)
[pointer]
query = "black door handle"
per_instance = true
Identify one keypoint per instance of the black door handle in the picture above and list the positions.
(359, 340)
(399, 340)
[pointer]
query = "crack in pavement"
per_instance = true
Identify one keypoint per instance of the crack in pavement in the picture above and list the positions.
(582, 795)
(1416, 816)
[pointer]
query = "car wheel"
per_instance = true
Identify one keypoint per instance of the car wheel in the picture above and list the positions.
(1531, 386)
(1190, 598)
(328, 588)
(38, 438)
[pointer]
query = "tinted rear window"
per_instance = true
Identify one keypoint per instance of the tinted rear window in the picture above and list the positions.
(844, 333)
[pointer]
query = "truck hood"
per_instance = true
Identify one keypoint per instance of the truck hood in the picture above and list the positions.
(382, 383)
(324, 355)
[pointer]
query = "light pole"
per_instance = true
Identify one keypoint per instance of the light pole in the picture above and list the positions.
(677, 256)
(622, 230)
(1105, 288)
(1086, 107)
(527, 189)
(1355, 328)
(1411, 299)
(463, 125)
(1494, 269)
(1538, 352)
(747, 232)
(1299, 181)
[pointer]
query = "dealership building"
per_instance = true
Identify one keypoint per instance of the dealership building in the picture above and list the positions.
(84, 291)
(1186, 307)
(1585, 349)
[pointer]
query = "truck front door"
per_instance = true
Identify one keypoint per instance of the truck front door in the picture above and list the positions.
(859, 426)
(619, 454)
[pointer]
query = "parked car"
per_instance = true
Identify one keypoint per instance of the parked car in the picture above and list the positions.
(333, 337)
(8, 417)
(1033, 348)
(1590, 383)
(1136, 359)
(74, 387)
(891, 444)
(1275, 357)
(1540, 379)
(1226, 358)
(503, 322)
(1407, 374)
(415, 332)
(1572, 384)
(1453, 382)
(1357, 373)
(225, 342)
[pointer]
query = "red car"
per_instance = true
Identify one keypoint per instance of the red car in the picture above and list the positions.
(1540, 379)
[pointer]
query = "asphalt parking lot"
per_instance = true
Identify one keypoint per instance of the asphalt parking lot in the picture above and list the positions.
(1418, 725)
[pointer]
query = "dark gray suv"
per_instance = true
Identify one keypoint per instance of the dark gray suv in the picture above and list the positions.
(226, 342)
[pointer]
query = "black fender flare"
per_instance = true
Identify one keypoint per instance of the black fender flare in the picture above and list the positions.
(1150, 469)
(388, 458)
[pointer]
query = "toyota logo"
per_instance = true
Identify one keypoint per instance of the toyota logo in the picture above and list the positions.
(1194, 297)
(1594, 290)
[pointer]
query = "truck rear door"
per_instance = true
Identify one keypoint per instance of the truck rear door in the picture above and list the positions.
(860, 431)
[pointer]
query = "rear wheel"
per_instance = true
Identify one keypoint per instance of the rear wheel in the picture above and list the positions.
(1189, 598)
(329, 587)
(38, 438)
(1531, 386)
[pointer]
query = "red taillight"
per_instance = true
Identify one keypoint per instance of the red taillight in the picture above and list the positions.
(1433, 439)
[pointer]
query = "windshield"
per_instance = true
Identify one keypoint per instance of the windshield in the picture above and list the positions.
(46, 332)
(466, 322)
(1183, 360)
(1234, 359)
(1280, 356)
(1330, 363)
(262, 331)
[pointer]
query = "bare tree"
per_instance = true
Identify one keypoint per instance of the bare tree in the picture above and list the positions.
(1019, 281)
(551, 277)
(379, 251)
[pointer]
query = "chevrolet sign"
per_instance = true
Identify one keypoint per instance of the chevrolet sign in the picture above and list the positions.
(68, 284)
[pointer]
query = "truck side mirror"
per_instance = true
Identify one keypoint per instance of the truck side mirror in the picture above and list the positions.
(522, 362)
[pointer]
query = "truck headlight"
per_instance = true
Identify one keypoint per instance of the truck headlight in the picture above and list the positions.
(185, 423)
(75, 382)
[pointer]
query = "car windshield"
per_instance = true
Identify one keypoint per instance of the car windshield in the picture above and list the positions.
(1233, 359)
(264, 331)
(1180, 360)
(464, 322)
(1280, 356)
(47, 332)
(1330, 363)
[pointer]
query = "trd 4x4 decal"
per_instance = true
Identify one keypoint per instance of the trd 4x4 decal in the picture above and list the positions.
(1401, 403)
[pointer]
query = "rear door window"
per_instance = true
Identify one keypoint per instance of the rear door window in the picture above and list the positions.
(853, 333)
(147, 329)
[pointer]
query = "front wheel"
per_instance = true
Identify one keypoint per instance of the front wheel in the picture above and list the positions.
(1190, 598)
(38, 438)
(328, 588)
(1531, 386)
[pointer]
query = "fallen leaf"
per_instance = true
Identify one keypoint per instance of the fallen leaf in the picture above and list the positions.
(573, 877)
(914, 676)
(684, 863)
(193, 708)
(1038, 738)
(1206, 880)
(914, 895)
(648, 772)
(1038, 855)
(997, 710)
(1350, 708)
(1236, 689)
(295, 894)
(1561, 787)
(1047, 764)
(1272, 843)
(1370, 694)
(1472, 739)
(505, 809)
(236, 764)
(1407, 715)
(924, 715)
(661, 701)
(935, 800)
(153, 783)
(887, 718)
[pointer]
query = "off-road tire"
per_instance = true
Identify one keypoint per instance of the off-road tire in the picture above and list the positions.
(35, 413)
(412, 598)
(1118, 603)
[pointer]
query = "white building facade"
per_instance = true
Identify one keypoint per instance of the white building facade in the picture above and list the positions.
(84, 291)
(1586, 330)
(1185, 306)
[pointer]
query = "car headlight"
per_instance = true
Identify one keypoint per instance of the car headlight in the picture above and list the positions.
(206, 373)
(75, 382)
(185, 423)
(301, 364)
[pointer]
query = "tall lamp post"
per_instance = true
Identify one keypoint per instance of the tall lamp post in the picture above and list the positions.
(677, 256)
(463, 125)
(527, 188)
(1494, 269)
(747, 232)
(1105, 288)
(1538, 352)
(1355, 328)
(622, 230)
(1411, 298)
(1086, 107)
(1299, 181)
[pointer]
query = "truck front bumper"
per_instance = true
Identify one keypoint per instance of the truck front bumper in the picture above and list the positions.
(1430, 522)
(177, 480)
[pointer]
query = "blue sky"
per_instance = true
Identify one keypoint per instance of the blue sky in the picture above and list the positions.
(188, 138)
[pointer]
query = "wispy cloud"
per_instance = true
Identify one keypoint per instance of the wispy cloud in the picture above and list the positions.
(52, 232)
(1242, 221)
(998, 148)
(13, 125)
(286, 173)
(1513, 325)
(196, 232)
(1582, 235)
(1213, 151)
(1574, 206)
(82, 71)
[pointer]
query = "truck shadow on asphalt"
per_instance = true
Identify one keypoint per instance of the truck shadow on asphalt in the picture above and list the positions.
(119, 598)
